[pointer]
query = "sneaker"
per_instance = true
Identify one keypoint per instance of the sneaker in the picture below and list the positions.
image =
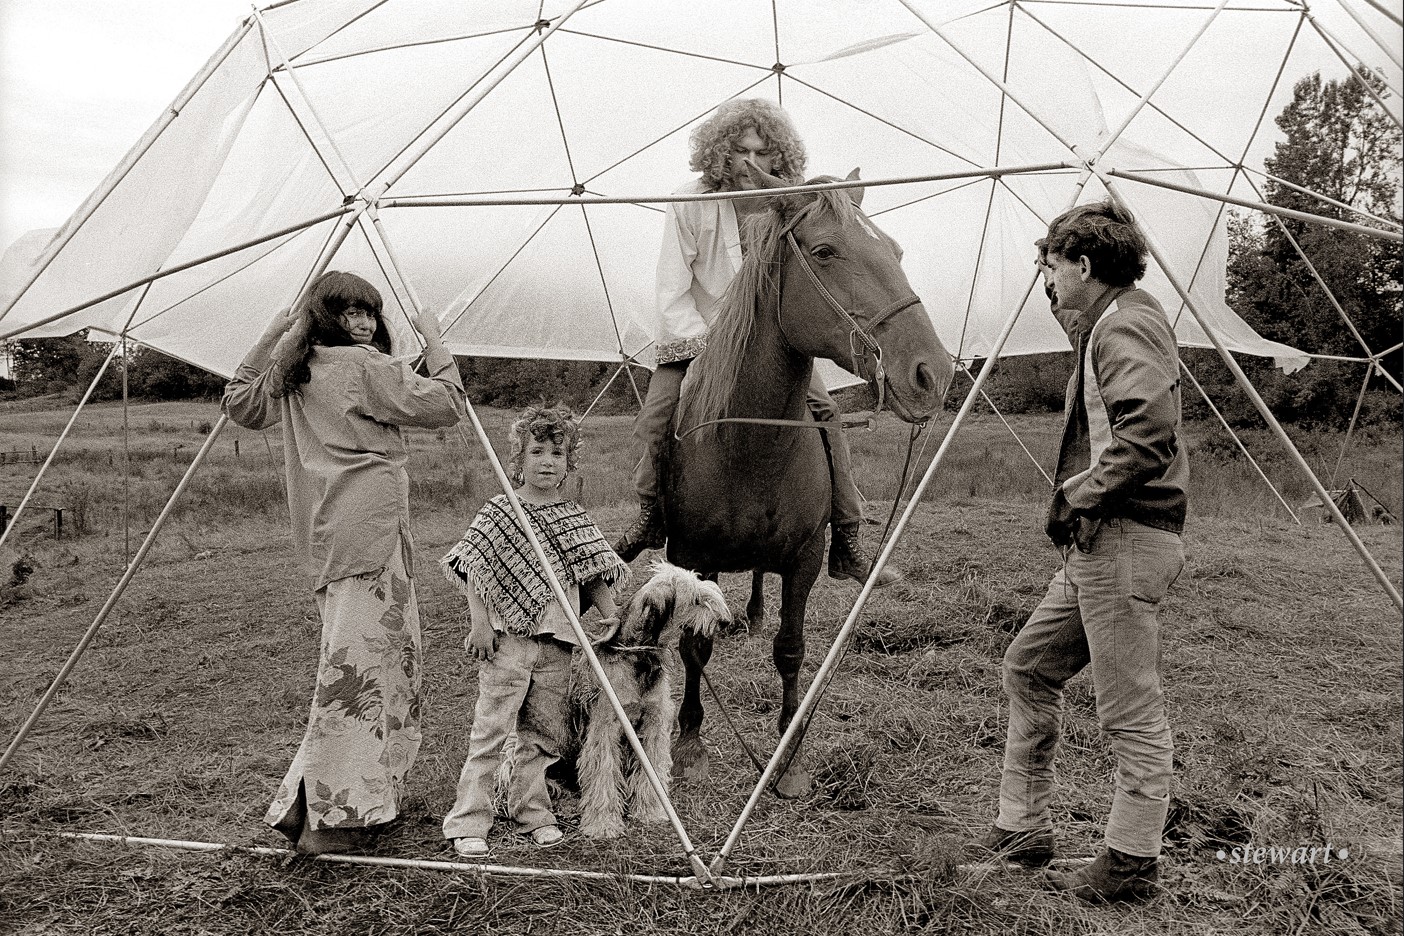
(1032, 848)
(1113, 876)
(646, 532)
(847, 559)
(470, 846)
(546, 836)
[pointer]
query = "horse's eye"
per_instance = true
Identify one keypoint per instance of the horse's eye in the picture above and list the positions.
(823, 252)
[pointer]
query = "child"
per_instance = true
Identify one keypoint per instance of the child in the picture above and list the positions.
(520, 633)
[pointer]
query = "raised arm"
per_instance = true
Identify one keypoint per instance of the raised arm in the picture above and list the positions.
(392, 393)
(250, 397)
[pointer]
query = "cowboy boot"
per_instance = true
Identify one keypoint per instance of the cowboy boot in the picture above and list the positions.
(1113, 876)
(847, 559)
(646, 532)
(1032, 848)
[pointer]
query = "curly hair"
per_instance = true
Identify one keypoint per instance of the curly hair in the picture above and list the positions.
(331, 294)
(541, 423)
(712, 140)
(1107, 235)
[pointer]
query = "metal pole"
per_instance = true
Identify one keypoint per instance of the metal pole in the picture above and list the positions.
(831, 659)
(1383, 222)
(1354, 416)
(726, 883)
(1241, 447)
(111, 600)
(1145, 98)
(1391, 14)
(1369, 31)
(350, 183)
(322, 261)
(1340, 51)
(303, 225)
(1259, 206)
(99, 195)
(14, 520)
(469, 201)
(698, 866)
(625, 723)
(403, 163)
(1329, 505)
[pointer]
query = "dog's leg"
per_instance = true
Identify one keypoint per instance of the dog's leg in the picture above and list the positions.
(654, 731)
(601, 782)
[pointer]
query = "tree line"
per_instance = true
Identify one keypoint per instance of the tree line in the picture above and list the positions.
(1337, 143)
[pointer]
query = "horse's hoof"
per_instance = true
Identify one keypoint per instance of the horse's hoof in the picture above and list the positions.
(690, 761)
(794, 784)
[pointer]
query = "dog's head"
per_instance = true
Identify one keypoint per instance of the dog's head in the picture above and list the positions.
(671, 601)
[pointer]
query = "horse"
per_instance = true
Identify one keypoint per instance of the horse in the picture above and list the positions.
(818, 279)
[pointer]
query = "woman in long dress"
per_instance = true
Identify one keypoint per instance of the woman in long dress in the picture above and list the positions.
(323, 370)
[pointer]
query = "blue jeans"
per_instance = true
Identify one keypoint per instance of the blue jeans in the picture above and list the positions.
(1101, 608)
(523, 685)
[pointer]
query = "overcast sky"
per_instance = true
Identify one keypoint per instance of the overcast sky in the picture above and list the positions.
(82, 80)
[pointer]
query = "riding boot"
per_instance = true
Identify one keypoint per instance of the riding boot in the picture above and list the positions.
(646, 532)
(847, 559)
(1112, 877)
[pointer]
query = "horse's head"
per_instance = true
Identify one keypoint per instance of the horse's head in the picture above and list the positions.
(845, 297)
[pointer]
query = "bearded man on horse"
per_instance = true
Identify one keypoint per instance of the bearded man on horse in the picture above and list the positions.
(700, 255)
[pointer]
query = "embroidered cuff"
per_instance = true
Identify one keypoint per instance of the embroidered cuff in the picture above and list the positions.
(681, 349)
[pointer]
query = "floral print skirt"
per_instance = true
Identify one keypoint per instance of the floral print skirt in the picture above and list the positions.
(364, 729)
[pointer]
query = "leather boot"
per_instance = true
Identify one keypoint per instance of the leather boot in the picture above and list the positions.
(646, 532)
(847, 559)
(1032, 848)
(1113, 876)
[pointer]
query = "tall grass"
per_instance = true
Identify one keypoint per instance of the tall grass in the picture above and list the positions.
(984, 462)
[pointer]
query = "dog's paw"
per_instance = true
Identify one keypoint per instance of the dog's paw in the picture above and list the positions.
(608, 828)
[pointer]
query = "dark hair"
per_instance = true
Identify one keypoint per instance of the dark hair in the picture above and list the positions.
(331, 294)
(540, 423)
(711, 141)
(1107, 235)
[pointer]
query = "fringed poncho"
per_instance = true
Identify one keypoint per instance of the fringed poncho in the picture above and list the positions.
(496, 562)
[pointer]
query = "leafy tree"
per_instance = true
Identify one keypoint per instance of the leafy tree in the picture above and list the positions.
(1338, 144)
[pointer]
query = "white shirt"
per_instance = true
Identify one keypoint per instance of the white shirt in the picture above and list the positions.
(699, 256)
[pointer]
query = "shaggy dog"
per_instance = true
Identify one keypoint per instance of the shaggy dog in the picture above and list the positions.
(633, 658)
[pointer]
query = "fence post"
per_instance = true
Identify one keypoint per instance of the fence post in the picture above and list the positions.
(58, 523)
(4, 517)
(236, 448)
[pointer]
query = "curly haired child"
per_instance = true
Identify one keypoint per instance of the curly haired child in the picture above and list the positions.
(520, 634)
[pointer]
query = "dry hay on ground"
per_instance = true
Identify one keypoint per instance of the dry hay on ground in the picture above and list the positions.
(1283, 673)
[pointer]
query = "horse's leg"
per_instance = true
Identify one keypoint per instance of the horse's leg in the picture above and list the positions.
(788, 653)
(755, 607)
(689, 753)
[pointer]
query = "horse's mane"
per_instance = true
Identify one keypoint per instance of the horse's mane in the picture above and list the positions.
(752, 292)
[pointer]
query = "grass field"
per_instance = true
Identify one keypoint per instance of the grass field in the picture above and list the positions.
(1282, 662)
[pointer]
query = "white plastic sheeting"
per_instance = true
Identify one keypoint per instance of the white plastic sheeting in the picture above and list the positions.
(323, 106)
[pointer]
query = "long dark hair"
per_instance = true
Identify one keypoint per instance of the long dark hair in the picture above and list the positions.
(331, 294)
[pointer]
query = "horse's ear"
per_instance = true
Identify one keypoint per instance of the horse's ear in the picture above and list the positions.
(854, 193)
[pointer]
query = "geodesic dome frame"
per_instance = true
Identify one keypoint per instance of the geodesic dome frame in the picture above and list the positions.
(508, 162)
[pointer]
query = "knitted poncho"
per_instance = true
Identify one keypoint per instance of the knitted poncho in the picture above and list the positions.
(496, 562)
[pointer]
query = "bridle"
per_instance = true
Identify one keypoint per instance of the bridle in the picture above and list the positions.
(857, 334)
